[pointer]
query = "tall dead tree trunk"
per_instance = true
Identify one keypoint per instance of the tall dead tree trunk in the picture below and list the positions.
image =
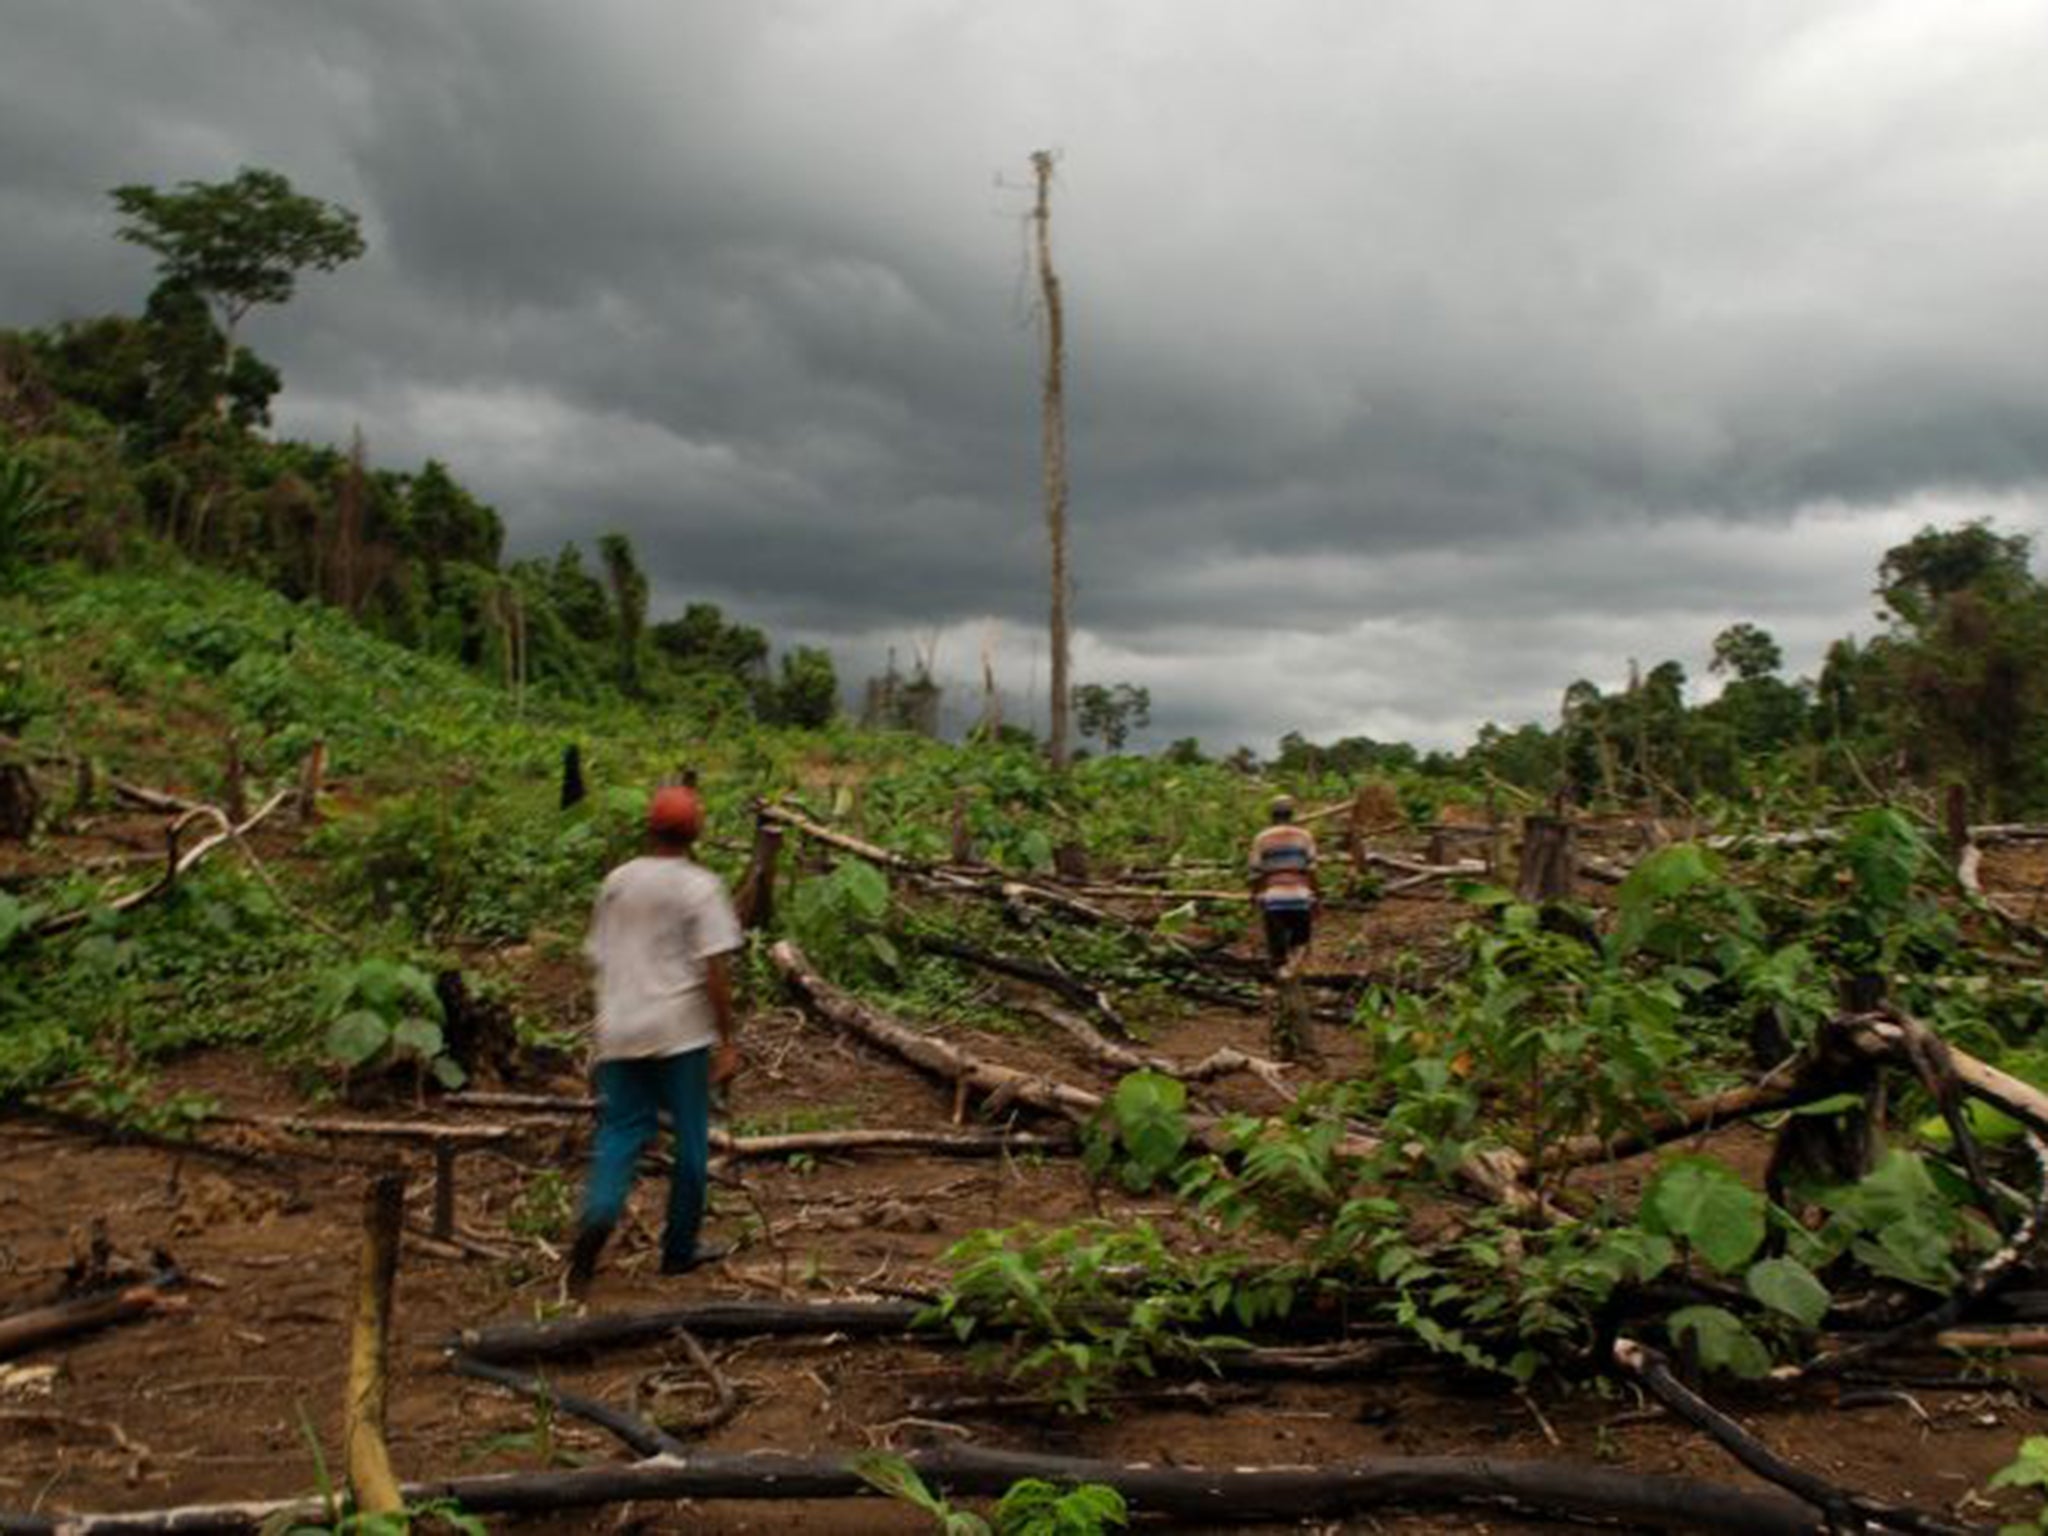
(1054, 444)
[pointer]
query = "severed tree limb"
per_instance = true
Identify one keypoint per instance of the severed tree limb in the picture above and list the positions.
(725, 1401)
(1662, 1126)
(1497, 1174)
(34, 1327)
(635, 1433)
(1072, 989)
(64, 922)
(366, 1456)
(1119, 1058)
(999, 1086)
(1210, 1496)
(1842, 1509)
(1980, 1283)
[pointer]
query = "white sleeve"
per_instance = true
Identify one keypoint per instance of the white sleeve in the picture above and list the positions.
(716, 929)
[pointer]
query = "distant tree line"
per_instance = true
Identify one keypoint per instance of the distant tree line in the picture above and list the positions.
(1954, 688)
(123, 435)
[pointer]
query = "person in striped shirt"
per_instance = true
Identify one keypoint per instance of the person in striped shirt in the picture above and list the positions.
(1283, 878)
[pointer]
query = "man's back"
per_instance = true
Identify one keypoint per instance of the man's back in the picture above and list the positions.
(1283, 860)
(656, 921)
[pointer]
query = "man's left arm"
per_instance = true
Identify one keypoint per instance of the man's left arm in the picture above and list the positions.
(725, 1055)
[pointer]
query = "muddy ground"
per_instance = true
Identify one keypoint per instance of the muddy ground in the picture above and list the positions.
(225, 1397)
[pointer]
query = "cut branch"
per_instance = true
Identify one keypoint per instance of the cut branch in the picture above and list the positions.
(368, 1460)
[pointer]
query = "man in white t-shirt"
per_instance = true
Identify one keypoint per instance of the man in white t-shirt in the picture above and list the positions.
(659, 939)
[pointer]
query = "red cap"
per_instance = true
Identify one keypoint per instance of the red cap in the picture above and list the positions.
(676, 811)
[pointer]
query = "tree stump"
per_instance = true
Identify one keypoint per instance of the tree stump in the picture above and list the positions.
(312, 777)
(755, 903)
(1549, 859)
(572, 776)
(1070, 861)
(19, 803)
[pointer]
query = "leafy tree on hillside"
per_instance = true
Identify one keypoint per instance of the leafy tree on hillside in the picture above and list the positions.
(1110, 713)
(1746, 651)
(807, 692)
(1968, 658)
(704, 640)
(629, 603)
(237, 243)
(1761, 712)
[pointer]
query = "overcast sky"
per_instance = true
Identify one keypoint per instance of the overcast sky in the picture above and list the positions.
(1424, 355)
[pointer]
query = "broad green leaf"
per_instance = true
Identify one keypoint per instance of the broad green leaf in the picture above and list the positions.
(1787, 1286)
(1720, 1340)
(356, 1036)
(421, 1037)
(448, 1072)
(1704, 1203)
(1151, 1119)
(866, 888)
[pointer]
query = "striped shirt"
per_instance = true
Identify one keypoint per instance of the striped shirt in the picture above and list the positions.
(1283, 856)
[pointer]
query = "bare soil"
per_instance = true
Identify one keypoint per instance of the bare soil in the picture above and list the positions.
(224, 1397)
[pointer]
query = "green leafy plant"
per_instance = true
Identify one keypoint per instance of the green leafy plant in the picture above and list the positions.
(1142, 1130)
(839, 917)
(384, 1011)
(896, 1477)
(1034, 1507)
(2027, 1469)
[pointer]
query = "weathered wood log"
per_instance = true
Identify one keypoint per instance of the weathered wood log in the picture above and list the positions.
(367, 1458)
(1211, 1496)
(1662, 1126)
(34, 1327)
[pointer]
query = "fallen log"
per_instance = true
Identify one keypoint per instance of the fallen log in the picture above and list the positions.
(556, 1337)
(34, 1327)
(1017, 968)
(1211, 1496)
(999, 1086)
(1221, 1062)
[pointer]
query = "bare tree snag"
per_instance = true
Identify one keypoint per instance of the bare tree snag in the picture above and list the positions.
(1206, 1496)
(20, 804)
(235, 790)
(1053, 444)
(962, 834)
(572, 775)
(366, 1456)
(312, 778)
(755, 902)
(1548, 860)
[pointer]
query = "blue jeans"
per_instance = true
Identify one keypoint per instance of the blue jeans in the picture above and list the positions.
(630, 1095)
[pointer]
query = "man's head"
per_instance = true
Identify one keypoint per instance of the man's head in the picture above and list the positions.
(675, 816)
(1283, 808)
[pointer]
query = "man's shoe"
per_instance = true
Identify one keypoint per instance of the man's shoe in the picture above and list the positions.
(707, 1253)
(589, 1244)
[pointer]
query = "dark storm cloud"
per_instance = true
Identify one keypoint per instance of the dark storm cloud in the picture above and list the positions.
(1422, 357)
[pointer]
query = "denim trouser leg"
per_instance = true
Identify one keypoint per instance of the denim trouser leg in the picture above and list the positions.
(686, 1086)
(630, 1094)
